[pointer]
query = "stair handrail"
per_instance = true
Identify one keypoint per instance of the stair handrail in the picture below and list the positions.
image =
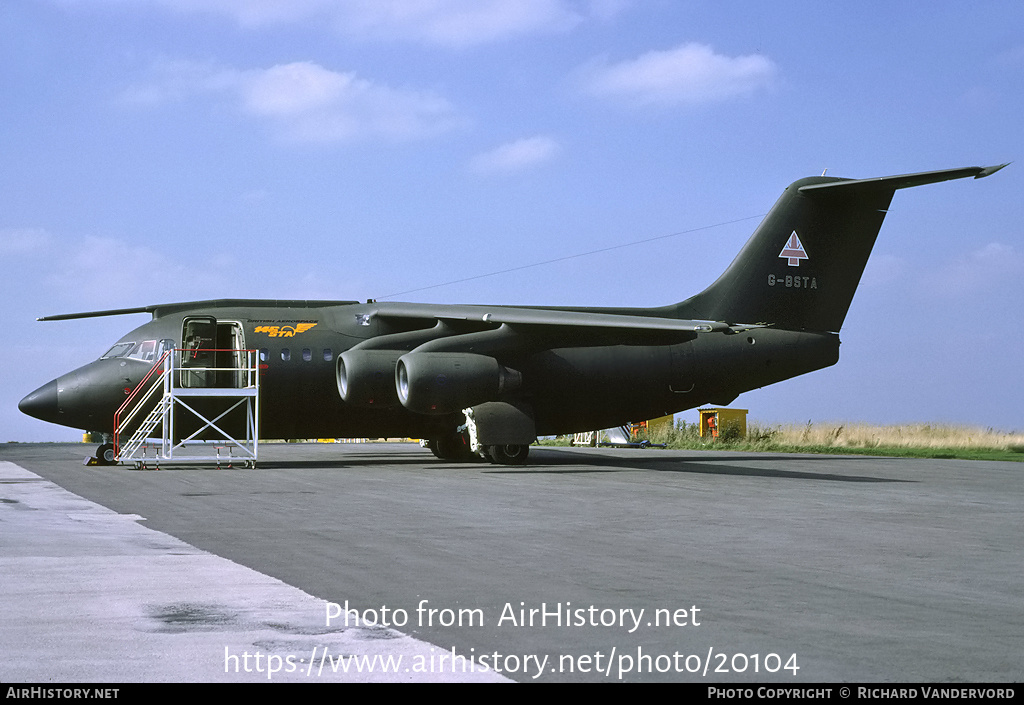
(162, 365)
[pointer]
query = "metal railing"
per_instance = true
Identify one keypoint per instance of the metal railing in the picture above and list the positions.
(175, 382)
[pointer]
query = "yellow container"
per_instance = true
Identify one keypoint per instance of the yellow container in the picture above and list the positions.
(723, 423)
(660, 422)
(638, 427)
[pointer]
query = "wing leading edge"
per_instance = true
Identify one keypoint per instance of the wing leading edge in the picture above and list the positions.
(159, 310)
(496, 315)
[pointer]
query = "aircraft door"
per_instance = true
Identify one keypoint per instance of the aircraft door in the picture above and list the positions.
(231, 355)
(199, 339)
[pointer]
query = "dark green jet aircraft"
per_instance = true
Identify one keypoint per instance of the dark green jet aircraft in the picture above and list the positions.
(350, 369)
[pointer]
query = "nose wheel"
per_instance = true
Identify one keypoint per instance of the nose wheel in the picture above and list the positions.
(105, 454)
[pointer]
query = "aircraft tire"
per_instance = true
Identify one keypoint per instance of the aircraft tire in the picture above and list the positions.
(452, 448)
(105, 454)
(433, 445)
(508, 454)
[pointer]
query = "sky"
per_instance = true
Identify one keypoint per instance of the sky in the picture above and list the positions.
(175, 150)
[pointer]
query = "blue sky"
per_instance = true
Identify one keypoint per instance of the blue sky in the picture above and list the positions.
(169, 150)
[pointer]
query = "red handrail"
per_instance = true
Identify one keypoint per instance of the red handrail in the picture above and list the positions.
(135, 392)
(159, 364)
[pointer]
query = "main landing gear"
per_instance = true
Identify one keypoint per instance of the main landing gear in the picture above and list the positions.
(498, 432)
(453, 447)
(456, 448)
(508, 454)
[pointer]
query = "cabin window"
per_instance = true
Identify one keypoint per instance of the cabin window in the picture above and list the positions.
(307, 354)
(286, 354)
(264, 354)
(328, 355)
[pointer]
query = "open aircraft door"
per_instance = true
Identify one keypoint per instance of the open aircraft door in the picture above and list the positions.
(213, 353)
(198, 340)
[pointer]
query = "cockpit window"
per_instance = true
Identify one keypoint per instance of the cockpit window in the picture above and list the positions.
(119, 350)
(145, 351)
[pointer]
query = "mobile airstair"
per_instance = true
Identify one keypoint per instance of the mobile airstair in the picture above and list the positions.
(218, 407)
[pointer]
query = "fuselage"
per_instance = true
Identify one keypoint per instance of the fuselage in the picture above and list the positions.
(570, 386)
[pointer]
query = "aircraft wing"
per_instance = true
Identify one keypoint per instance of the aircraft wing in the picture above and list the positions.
(545, 317)
(164, 309)
(558, 327)
(495, 315)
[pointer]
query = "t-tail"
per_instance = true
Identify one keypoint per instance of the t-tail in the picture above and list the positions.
(801, 267)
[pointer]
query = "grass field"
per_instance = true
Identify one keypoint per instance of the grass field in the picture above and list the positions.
(907, 440)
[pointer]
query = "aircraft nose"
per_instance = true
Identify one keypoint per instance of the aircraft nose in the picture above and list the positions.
(42, 403)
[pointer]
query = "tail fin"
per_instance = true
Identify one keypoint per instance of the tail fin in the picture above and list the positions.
(802, 265)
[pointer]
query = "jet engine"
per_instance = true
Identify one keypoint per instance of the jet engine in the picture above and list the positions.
(367, 377)
(443, 383)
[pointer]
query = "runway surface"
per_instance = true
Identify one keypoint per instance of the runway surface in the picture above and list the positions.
(747, 567)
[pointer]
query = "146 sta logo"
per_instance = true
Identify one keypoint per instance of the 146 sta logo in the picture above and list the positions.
(284, 331)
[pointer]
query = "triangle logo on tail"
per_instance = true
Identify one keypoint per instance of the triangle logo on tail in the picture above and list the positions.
(794, 251)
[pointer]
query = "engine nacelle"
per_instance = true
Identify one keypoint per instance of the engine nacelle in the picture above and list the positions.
(443, 383)
(367, 377)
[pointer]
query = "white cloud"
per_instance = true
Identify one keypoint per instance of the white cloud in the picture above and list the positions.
(516, 156)
(315, 104)
(443, 22)
(307, 102)
(689, 74)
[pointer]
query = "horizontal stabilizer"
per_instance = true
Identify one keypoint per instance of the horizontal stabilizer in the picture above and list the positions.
(898, 182)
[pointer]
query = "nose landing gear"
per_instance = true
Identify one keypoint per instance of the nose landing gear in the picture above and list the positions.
(105, 454)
